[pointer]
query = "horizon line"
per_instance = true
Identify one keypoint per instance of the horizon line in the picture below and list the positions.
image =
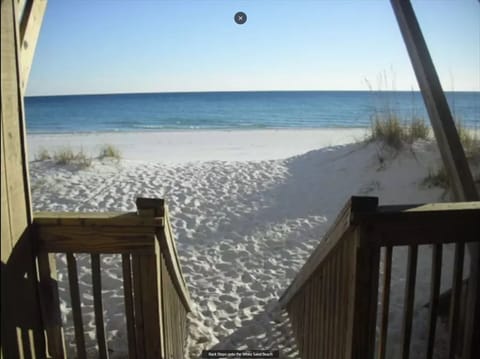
(227, 91)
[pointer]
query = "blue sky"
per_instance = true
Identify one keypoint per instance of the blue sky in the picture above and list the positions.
(119, 46)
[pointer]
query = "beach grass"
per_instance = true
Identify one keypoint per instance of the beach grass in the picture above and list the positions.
(43, 155)
(437, 178)
(470, 140)
(66, 156)
(395, 132)
(110, 151)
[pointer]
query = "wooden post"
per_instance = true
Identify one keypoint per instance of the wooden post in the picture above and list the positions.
(452, 153)
(31, 22)
(443, 126)
(147, 298)
(362, 310)
(50, 305)
(20, 309)
(147, 272)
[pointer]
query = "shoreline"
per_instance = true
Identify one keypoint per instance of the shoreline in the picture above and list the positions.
(198, 130)
(199, 145)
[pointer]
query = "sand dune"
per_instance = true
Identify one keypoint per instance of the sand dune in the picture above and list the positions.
(244, 228)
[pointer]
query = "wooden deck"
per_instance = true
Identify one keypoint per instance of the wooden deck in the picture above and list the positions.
(332, 303)
(155, 294)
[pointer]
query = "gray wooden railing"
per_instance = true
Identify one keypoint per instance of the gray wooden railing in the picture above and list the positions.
(332, 303)
(155, 294)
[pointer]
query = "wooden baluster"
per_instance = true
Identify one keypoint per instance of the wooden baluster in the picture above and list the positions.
(409, 300)
(129, 311)
(76, 306)
(434, 295)
(455, 298)
(387, 274)
(98, 306)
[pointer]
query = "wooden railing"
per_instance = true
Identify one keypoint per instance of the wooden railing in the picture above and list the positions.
(155, 294)
(332, 303)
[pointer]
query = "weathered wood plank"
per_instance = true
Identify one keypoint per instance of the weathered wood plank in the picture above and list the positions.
(151, 307)
(13, 126)
(129, 311)
(409, 301)
(427, 218)
(451, 150)
(306, 321)
(19, 273)
(165, 305)
(347, 216)
(29, 31)
(317, 317)
(329, 301)
(98, 307)
(430, 207)
(337, 309)
(399, 234)
(302, 311)
(6, 234)
(347, 296)
(350, 297)
(50, 305)
(323, 311)
(76, 306)
(138, 306)
(454, 317)
(156, 207)
(94, 240)
(96, 219)
(169, 250)
(146, 275)
(437, 251)
(362, 317)
(471, 346)
(387, 274)
(21, 8)
(441, 119)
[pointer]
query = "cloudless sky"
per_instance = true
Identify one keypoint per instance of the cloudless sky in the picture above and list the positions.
(121, 46)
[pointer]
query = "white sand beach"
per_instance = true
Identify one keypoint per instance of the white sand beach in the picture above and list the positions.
(247, 207)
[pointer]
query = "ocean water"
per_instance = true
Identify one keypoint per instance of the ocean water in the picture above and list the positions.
(231, 110)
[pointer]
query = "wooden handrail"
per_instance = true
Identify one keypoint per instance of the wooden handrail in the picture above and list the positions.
(337, 231)
(154, 287)
(114, 219)
(157, 207)
(352, 248)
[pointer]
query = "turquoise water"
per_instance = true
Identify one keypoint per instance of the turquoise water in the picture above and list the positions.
(230, 110)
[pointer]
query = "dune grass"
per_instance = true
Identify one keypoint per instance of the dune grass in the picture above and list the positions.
(109, 151)
(66, 156)
(43, 155)
(470, 140)
(437, 178)
(395, 132)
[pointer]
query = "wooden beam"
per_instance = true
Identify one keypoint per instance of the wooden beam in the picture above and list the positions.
(18, 269)
(30, 25)
(59, 239)
(362, 306)
(50, 305)
(451, 150)
(148, 207)
(89, 219)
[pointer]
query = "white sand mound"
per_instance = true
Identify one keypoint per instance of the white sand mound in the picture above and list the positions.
(243, 230)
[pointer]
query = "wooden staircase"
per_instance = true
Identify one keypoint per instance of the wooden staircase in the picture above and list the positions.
(334, 300)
